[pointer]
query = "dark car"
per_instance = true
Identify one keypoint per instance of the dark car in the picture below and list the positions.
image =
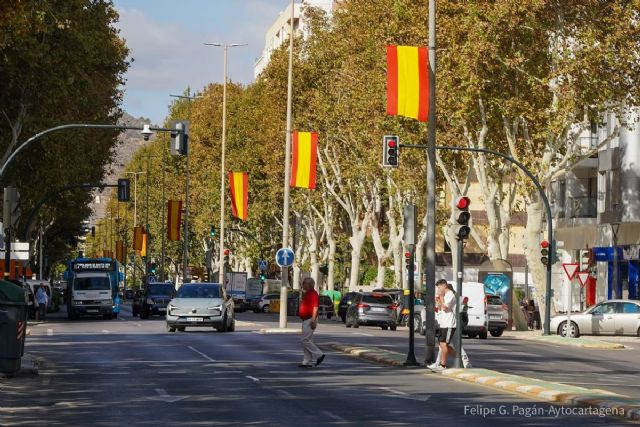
(153, 299)
(374, 309)
(326, 307)
(128, 293)
(345, 302)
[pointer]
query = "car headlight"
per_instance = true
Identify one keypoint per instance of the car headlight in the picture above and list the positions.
(77, 302)
(217, 307)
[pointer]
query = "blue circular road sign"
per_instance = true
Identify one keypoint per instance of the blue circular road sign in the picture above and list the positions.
(285, 257)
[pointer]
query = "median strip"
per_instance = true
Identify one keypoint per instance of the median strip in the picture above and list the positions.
(615, 404)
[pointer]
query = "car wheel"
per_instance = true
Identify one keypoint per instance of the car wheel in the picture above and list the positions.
(393, 327)
(496, 332)
(574, 332)
(384, 328)
(170, 329)
(472, 335)
(355, 323)
(639, 332)
(225, 326)
(417, 324)
(344, 319)
(483, 335)
(347, 323)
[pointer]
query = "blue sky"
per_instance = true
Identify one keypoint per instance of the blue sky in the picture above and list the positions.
(166, 41)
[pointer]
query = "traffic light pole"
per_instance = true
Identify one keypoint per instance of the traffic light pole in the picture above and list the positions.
(458, 335)
(411, 355)
(545, 201)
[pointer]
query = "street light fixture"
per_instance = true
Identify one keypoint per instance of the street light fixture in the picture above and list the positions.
(222, 156)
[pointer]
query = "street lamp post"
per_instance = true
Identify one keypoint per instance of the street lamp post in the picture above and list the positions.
(185, 240)
(222, 156)
(135, 216)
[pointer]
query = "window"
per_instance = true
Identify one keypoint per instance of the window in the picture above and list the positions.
(91, 284)
(377, 299)
(199, 291)
(161, 289)
(630, 308)
(607, 308)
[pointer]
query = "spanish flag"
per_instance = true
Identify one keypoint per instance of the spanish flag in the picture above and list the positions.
(120, 251)
(138, 232)
(408, 82)
(174, 219)
(305, 154)
(239, 186)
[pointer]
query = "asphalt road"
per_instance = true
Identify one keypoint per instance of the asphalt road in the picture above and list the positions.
(131, 372)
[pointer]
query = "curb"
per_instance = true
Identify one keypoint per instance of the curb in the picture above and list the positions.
(279, 331)
(611, 403)
(573, 342)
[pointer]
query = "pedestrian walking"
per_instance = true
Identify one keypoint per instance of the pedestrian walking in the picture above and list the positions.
(308, 312)
(43, 300)
(466, 363)
(446, 304)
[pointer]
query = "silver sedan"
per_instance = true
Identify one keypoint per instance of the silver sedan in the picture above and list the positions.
(612, 317)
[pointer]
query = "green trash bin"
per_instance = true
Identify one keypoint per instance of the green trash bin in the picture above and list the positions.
(13, 326)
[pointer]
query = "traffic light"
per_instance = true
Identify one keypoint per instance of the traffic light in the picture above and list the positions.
(263, 277)
(324, 269)
(544, 251)
(461, 215)
(153, 268)
(407, 260)
(124, 190)
(390, 146)
(180, 139)
(212, 231)
(93, 231)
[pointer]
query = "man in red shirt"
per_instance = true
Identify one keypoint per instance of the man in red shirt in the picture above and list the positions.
(308, 312)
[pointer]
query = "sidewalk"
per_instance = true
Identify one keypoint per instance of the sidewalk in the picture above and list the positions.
(585, 342)
(599, 400)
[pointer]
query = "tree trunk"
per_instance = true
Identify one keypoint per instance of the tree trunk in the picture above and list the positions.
(331, 262)
(357, 241)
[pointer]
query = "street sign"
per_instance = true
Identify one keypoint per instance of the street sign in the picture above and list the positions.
(263, 265)
(583, 276)
(570, 269)
(285, 257)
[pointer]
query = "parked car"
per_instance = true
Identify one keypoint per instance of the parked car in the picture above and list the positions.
(498, 313)
(612, 317)
(201, 305)
(153, 299)
(345, 302)
(261, 304)
(325, 307)
(403, 312)
(372, 308)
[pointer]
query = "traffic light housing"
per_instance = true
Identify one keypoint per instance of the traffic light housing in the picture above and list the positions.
(461, 216)
(153, 268)
(544, 252)
(390, 151)
(407, 260)
(124, 190)
(212, 231)
(324, 269)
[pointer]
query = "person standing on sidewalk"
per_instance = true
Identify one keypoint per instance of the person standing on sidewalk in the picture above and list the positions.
(41, 297)
(446, 304)
(308, 312)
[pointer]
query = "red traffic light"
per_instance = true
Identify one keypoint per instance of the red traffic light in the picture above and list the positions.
(463, 202)
(544, 244)
(407, 254)
(226, 252)
(391, 143)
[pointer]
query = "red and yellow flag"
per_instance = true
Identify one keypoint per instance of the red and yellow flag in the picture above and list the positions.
(143, 250)
(304, 157)
(138, 232)
(239, 186)
(120, 251)
(174, 219)
(408, 82)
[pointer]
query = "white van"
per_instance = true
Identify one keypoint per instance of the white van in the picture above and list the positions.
(477, 310)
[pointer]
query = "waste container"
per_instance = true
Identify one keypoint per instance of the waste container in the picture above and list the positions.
(13, 326)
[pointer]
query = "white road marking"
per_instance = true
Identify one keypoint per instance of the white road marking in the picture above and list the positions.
(334, 416)
(138, 324)
(105, 331)
(49, 332)
(402, 395)
(285, 393)
(202, 354)
(227, 372)
(364, 334)
(252, 378)
(389, 389)
(164, 396)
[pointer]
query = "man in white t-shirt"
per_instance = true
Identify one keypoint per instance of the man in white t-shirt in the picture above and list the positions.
(446, 304)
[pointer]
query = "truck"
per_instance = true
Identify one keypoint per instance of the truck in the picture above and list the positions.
(93, 285)
(236, 286)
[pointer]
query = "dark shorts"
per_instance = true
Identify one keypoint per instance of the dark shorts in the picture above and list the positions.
(446, 335)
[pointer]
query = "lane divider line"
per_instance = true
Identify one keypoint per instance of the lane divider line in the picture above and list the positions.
(252, 378)
(202, 354)
(49, 332)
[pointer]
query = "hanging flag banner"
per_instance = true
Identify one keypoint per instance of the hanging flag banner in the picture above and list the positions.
(304, 157)
(239, 186)
(174, 219)
(408, 82)
(138, 232)
(143, 249)
(120, 251)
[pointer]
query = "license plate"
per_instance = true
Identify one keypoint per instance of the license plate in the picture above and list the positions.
(92, 310)
(495, 316)
(377, 309)
(194, 319)
(162, 309)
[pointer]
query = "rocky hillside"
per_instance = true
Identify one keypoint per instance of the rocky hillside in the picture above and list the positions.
(129, 142)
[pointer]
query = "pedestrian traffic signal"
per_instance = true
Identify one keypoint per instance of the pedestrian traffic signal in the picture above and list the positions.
(461, 216)
(212, 231)
(544, 251)
(124, 190)
(390, 146)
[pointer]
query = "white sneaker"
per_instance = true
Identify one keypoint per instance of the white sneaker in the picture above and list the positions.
(438, 368)
(433, 365)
